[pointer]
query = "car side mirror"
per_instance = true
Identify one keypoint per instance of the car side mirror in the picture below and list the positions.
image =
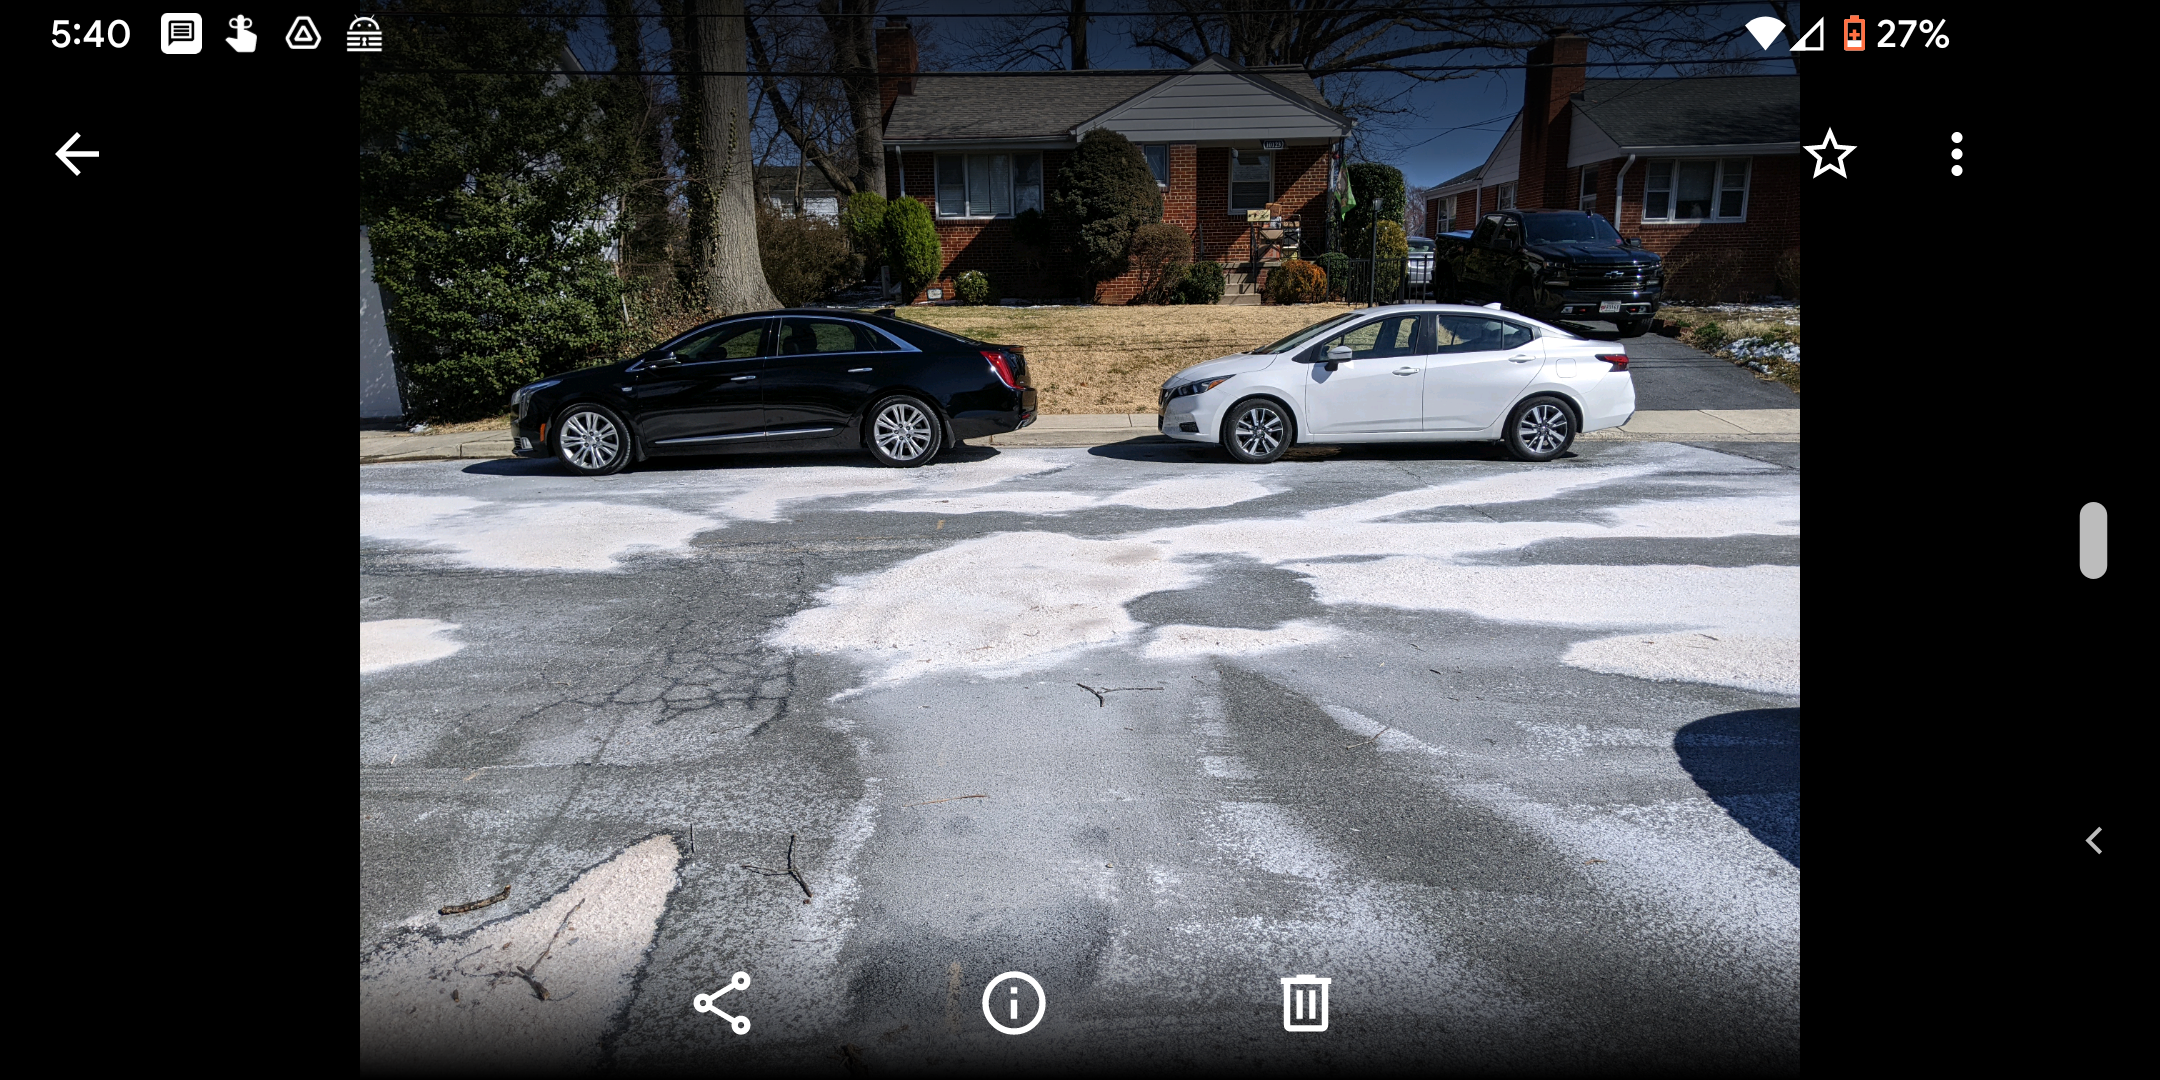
(668, 360)
(1339, 352)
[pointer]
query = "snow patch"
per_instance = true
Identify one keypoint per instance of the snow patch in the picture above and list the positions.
(761, 499)
(388, 643)
(533, 536)
(1181, 640)
(1768, 665)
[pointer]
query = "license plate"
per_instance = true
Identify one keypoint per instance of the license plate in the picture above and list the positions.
(1608, 306)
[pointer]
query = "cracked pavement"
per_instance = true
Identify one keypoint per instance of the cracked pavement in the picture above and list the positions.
(1508, 752)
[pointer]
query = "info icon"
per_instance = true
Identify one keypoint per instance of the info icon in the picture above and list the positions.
(180, 33)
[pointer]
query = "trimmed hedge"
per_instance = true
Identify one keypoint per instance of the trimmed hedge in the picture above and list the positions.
(1296, 282)
(911, 244)
(972, 287)
(1203, 284)
(1105, 193)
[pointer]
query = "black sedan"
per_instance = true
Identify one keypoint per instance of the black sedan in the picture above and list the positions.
(798, 379)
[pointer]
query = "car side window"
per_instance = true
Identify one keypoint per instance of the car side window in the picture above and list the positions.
(1473, 333)
(1515, 335)
(734, 341)
(1396, 336)
(807, 337)
(1485, 230)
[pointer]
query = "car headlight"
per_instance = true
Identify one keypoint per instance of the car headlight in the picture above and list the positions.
(1201, 387)
(517, 400)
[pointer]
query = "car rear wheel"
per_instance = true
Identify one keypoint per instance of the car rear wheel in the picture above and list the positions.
(1539, 429)
(591, 441)
(1257, 431)
(904, 432)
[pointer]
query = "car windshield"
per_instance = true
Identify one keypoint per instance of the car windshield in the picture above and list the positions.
(1569, 228)
(1420, 245)
(1298, 339)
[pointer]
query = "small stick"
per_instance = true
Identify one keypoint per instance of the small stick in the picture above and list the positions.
(460, 909)
(790, 871)
(1100, 701)
(1375, 735)
(928, 802)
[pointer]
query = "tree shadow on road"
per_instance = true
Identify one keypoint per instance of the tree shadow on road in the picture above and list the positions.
(1749, 763)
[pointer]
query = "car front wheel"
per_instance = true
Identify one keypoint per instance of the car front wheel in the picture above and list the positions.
(591, 441)
(904, 432)
(1257, 431)
(1540, 429)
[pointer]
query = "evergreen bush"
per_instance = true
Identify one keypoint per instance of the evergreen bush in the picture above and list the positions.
(1203, 284)
(1296, 281)
(1105, 193)
(911, 245)
(972, 287)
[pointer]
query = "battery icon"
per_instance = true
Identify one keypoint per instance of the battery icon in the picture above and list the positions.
(1855, 34)
(1304, 1003)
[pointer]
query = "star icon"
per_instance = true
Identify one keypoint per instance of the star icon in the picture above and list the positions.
(1829, 142)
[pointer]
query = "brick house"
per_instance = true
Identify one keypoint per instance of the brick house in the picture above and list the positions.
(1706, 170)
(1220, 138)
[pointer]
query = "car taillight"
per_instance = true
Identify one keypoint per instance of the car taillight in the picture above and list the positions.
(1617, 360)
(1003, 369)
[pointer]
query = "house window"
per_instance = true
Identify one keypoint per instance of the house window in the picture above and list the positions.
(988, 185)
(1158, 162)
(1507, 195)
(1252, 181)
(1447, 216)
(1587, 200)
(1699, 189)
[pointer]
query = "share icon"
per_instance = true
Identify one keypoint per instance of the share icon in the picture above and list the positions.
(705, 1003)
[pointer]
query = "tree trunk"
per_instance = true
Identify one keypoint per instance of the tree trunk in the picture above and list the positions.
(854, 44)
(734, 278)
(1076, 29)
(690, 266)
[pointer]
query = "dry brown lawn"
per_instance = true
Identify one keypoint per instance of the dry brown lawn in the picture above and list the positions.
(1114, 359)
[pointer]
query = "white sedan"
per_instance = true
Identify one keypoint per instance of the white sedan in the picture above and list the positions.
(1406, 373)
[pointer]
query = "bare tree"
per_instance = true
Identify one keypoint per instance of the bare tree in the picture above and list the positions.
(819, 79)
(1047, 34)
(727, 192)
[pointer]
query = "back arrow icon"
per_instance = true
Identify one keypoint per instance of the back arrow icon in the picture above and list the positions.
(64, 154)
(2089, 842)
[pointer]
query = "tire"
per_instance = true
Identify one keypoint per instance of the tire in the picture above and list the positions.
(903, 432)
(591, 441)
(1541, 428)
(1257, 430)
(1633, 327)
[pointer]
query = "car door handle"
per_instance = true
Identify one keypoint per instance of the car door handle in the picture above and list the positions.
(741, 378)
(1407, 370)
(1520, 359)
(853, 370)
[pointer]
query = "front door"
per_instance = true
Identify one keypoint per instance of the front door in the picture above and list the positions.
(820, 376)
(1378, 389)
(1477, 366)
(710, 396)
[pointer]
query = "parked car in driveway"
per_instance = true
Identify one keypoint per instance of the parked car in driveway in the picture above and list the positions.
(1552, 264)
(1421, 259)
(1406, 373)
(794, 380)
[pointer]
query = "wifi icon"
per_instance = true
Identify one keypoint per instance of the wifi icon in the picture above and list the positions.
(1765, 29)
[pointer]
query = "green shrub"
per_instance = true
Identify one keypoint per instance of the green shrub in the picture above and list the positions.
(1296, 282)
(863, 218)
(1104, 194)
(911, 245)
(972, 287)
(805, 258)
(1709, 337)
(1203, 284)
(1336, 266)
(1161, 252)
(1388, 266)
(1379, 191)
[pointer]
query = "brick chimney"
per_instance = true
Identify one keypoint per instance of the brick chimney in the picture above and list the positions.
(1555, 76)
(895, 63)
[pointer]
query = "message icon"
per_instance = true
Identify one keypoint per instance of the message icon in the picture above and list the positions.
(180, 33)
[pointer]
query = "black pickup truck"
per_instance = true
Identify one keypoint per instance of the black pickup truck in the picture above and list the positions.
(1555, 265)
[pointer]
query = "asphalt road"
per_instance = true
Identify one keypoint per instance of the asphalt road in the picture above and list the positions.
(1509, 753)
(1669, 375)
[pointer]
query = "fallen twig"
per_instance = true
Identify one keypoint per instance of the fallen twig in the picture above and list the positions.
(460, 909)
(790, 871)
(1100, 700)
(929, 801)
(1375, 735)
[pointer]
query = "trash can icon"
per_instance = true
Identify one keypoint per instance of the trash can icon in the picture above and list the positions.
(1304, 1003)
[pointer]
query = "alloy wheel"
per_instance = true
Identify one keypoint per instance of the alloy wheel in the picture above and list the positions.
(1543, 428)
(1259, 430)
(590, 440)
(903, 431)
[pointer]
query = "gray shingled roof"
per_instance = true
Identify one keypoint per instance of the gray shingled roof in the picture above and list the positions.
(1715, 111)
(1462, 178)
(1038, 106)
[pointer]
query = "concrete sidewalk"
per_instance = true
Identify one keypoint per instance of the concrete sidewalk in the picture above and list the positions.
(1676, 425)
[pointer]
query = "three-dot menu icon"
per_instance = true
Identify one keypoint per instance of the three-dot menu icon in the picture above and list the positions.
(1957, 154)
